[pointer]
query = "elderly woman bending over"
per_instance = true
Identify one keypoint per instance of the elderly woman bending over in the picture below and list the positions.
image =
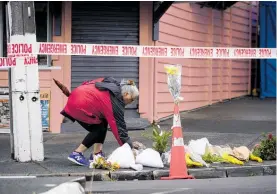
(94, 105)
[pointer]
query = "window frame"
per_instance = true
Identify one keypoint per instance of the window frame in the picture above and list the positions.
(49, 30)
(2, 23)
(49, 34)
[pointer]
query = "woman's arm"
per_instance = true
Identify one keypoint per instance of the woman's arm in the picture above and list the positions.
(114, 114)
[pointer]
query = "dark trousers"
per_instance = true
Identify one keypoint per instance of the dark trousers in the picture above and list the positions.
(97, 133)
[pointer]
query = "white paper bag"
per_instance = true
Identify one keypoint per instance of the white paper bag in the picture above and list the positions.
(150, 158)
(198, 146)
(123, 156)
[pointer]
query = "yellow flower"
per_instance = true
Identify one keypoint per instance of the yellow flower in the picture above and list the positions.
(115, 166)
(171, 70)
(101, 163)
(255, 158)
(231, 159)
(191, 163)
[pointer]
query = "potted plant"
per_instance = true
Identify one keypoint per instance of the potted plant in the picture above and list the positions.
(160, 139)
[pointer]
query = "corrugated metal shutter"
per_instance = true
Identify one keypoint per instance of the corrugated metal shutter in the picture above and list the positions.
(104, 23)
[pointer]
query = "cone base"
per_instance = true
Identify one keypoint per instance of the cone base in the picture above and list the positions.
(177, 177)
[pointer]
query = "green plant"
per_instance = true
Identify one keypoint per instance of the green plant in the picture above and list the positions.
(209, 158)
(160, 139)
(267, 148)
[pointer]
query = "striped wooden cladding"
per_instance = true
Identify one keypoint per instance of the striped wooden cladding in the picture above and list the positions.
(207, 81)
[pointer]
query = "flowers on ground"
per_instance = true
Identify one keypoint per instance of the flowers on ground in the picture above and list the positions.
(266, 149)
(101, 163)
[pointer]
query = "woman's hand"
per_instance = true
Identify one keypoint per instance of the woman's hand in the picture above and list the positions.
(137, 145)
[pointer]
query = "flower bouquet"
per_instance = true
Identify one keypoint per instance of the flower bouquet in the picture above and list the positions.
(101, 163)
(174, 73)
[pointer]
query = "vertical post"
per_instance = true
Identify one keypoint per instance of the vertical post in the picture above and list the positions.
(26, 113)
(256, 46)
(32, 75)
(1, 28)
(18, 87)
(250, 45)
(49, 31)
(11, 114)
(222, 61)
(10, 88)
(230, 60)
(211, 44)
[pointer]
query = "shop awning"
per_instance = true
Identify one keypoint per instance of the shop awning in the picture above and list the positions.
(159, 8)
(218, 5)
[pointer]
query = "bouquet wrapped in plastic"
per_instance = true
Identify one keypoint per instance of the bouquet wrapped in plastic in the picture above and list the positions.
(101, 163)
(174, 74)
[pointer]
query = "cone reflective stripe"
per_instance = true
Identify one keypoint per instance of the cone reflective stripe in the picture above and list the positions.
(178, 167)
(176, 117)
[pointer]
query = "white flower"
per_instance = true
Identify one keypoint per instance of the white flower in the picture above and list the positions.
(158, 126)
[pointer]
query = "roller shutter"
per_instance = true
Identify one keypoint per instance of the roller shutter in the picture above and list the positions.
(105, 23)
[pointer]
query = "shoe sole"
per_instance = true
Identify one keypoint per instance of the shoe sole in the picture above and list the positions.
(74, 161)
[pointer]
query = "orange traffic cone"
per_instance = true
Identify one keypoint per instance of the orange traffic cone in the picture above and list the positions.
(178, 166)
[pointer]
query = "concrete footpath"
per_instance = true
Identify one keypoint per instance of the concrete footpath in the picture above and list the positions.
(238, 122)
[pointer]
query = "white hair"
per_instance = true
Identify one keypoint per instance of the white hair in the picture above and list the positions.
(128, 86)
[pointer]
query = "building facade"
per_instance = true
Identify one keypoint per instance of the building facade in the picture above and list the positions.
(204, 82)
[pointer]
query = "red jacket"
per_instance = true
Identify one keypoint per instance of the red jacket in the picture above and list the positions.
(96, 100)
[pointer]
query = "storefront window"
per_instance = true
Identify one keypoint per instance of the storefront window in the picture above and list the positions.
(43, 19)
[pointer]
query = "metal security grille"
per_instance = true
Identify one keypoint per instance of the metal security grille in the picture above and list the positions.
(104, 23)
